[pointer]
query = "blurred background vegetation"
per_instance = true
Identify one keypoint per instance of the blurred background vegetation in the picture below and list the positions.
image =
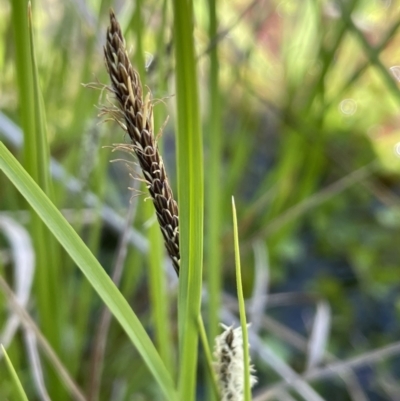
(300, 103)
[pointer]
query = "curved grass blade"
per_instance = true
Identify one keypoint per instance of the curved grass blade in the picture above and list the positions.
(90, 267)
(18, 386)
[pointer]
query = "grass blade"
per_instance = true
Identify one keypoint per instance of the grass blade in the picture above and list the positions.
(36, 162)
(90, 267)
(214, 188)
(242, 308)
(19, 389)
(190, 195)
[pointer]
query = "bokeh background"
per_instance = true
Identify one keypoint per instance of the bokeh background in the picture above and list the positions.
(302, 103)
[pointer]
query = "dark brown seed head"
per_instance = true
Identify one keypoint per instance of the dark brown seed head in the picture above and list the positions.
(138, 115)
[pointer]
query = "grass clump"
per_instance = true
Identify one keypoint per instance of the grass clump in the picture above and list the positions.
(287, 100)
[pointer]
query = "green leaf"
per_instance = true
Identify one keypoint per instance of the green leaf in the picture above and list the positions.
(190, 195)
(36, 162)
(90, 267)
(242, 308)
(18, 386)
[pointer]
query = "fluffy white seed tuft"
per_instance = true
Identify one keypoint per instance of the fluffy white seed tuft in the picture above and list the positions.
(229, 365)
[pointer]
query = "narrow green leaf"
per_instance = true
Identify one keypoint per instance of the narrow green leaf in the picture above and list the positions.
(18, 386)
(242, 308)
(190, 195)
(24, 80)
(36, 162)
(214, 188)
(213, 198)
(42, 147)
(90, 267)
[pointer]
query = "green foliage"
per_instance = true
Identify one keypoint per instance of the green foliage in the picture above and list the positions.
(93, 271)
(294, 99)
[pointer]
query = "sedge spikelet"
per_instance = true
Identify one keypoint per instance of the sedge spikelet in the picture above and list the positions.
(137, 112)
(229, 368)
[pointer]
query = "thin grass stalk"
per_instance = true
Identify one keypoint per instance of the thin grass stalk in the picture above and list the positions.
(158, 284)
(214, 221)
(190, 194)
(48, 257)
(42, 146)
(242, 309)
(36, 161)
(25, 82)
